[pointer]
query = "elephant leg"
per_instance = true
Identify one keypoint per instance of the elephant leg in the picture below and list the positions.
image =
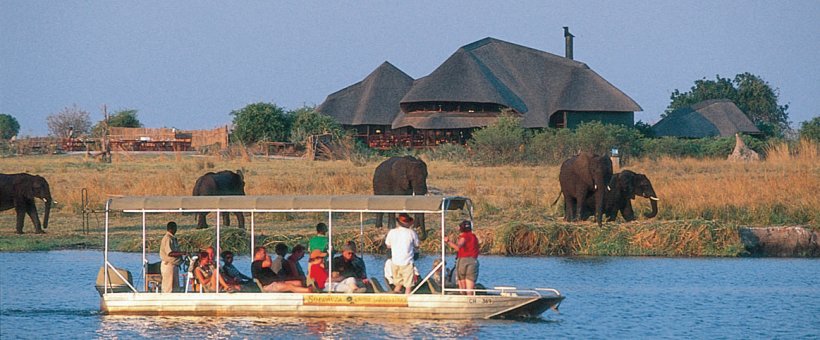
(420, 225)
(391, 220)
(32, 213)
(379, 219)
(240, 220)
(201, 223)
(226, 219)
(569, 209)
(627, 212)
(21, 218)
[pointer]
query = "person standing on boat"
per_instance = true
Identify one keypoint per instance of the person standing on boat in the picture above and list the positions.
(171, 259)
(403, 242)
(466, 257)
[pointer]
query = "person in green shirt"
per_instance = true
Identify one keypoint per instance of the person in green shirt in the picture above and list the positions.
(319, 241)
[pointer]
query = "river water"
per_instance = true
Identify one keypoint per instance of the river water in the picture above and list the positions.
(51, 295)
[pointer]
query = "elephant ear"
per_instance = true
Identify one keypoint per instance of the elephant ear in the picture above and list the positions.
(627, 179)
(23, 188)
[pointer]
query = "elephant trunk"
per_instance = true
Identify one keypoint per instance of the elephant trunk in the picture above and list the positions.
(49, 202)
(654, 202)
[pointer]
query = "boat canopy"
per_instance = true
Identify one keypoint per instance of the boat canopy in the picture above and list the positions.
(288, 203)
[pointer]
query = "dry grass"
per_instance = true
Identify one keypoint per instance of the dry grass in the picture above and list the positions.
(780, 190)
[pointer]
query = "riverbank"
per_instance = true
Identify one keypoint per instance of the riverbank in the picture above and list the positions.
(703, 203)
(658, 238)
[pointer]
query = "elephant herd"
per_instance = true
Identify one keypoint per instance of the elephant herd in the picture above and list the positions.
(587, 183)
(591, 189)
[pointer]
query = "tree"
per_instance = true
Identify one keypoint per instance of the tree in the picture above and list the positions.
(70, 121)
(752, 95)
(307, 121)
(122, 118)
(9, 127)
(810, 129)
(261, 122)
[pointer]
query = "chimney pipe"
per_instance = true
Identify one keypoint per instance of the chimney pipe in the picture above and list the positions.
(568, 47)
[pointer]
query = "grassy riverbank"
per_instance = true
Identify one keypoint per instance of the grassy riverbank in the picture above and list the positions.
(702, 202)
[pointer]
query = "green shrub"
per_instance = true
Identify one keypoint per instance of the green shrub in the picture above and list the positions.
(500, 143)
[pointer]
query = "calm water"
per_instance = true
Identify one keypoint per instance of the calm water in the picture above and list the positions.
(606, 298)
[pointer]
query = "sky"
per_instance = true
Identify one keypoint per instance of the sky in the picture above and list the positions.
(188, 64)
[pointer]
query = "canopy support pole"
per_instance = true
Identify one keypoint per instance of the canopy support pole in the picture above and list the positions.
(216, 254)
(253, 239)
(329, 250)
(144, 260)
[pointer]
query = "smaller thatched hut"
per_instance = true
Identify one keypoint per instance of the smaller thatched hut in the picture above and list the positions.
(710, 118)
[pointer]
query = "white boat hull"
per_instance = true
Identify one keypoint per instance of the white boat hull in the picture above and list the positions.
(396, 306)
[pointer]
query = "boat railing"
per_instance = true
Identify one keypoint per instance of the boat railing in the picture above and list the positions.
(510, 291)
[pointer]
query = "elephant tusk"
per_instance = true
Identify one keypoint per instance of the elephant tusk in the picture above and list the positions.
(595, 187)
(655, 198)
(608, 188)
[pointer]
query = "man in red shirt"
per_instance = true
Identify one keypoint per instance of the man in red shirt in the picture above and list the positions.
(466, 257)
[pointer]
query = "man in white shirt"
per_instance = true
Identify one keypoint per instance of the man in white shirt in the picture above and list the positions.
(403, 242)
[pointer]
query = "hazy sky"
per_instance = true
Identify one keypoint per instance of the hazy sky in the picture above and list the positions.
(189, 64)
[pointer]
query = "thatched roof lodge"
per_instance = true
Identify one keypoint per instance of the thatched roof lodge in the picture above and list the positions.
(710, 118)
(471, 89)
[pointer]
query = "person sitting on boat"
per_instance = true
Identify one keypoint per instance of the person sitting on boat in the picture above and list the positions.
(231, 273)
(388, 274)
(171, 259)
(281, 250)
(204, 274)
(402, 241)
(318, 272)
(291, 268)
(320, 240)
(466, 257)
(350, 265)
(450, 281)
(261, 271)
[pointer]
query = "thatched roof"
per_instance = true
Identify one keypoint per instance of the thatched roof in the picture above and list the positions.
(710, 118)
(536, 84)
(372, 101)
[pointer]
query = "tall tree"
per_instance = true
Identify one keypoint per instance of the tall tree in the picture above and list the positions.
(9, 127)
(261, 122)
(70, 120)
(752, 95)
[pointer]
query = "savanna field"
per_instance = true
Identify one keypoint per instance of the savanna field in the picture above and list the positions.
(703, 202)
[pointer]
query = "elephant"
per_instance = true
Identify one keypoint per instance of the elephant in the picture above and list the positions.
(623, 188)
(18, 191)
(401, 176)
(223, 183)
(583, 176)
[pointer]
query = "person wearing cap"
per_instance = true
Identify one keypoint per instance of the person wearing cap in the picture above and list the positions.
(403, 242)
(466, 257)
(318, 272)
(350, 265)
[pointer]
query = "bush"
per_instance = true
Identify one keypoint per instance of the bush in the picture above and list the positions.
(448, 152)
(500, 143)
(261, 122)
(307, 121)
(810, 130)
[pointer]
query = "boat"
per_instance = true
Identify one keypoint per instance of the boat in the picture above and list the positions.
(119, 296)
